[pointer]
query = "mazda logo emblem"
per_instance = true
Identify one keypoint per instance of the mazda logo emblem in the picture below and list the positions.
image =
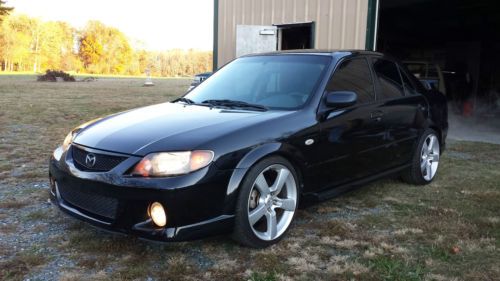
(90, 160)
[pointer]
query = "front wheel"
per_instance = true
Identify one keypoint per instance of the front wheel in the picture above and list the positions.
(266, 203)
(425, 160)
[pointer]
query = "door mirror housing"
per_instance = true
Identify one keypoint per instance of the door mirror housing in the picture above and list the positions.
(340, 99)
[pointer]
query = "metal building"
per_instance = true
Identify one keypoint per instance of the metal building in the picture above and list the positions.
(460, 37)
(250, 26)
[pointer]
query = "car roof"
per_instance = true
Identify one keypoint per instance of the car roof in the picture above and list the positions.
(318, 52)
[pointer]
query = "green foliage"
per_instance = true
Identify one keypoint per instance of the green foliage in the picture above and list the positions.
(438, 253)
(255, 276)
(396, 269)
(27, 44)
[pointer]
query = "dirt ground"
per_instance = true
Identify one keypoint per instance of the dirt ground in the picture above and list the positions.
(388, 230)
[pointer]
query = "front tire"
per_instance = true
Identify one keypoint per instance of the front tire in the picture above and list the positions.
(267, 203)
(425, 161)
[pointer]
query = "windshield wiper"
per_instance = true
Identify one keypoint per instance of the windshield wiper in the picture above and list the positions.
(184, 100)
(235, 103)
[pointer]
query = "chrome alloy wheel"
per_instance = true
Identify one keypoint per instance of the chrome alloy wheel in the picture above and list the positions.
(429, 157)
(272, 202)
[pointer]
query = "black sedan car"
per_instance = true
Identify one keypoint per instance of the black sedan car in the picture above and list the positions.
(240, 151)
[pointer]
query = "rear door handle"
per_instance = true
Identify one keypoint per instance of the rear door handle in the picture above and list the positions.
(377, 115)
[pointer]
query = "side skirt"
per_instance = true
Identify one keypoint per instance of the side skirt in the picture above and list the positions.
(338, 190)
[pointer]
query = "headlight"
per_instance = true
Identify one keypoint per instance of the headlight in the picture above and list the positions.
(172, 163)
(59, 151)
(67, 141)
(69, 138)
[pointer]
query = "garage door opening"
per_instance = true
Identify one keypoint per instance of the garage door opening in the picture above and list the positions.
(459, 37)
(296, 36)
(453, 46)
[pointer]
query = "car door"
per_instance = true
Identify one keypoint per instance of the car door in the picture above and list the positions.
(403, 112)
(351, 138)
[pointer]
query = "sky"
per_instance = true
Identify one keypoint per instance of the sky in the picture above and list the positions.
(149, 24)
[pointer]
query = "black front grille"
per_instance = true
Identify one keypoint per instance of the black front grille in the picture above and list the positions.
(93, 203)
(102, 163)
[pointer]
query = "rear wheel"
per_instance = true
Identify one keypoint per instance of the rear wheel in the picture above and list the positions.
(425, 160)
(267, 203)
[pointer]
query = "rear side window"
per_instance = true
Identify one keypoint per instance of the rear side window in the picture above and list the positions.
(408, 75)
(353, 75)
(409, 89)
(391, 85)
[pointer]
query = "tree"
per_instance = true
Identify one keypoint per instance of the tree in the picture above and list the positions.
(30, 44)
(90, 50)
(104, 49)
(4, 10)
(16, 39)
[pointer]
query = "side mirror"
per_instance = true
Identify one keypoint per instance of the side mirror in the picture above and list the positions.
(340, 99)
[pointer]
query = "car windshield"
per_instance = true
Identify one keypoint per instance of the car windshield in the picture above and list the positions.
(275, 82)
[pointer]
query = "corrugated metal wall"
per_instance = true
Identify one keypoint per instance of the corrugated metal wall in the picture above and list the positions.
(339, 24)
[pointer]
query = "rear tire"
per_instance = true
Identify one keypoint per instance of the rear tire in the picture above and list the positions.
(425, 160)
(267, 203)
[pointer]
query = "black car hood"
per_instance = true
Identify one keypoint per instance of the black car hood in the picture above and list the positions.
(167, 127)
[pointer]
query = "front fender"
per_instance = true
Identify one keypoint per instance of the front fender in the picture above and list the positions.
(251, 158)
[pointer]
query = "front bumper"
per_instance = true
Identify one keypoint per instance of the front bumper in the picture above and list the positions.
(196, 204)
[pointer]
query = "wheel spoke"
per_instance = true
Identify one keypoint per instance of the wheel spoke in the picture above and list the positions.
(280, 181)
(423, 165)
(431, 144)
(429, 171)
(257, 213)
(285, 204)
(434, 157)
(272, 226)
(262, 185)
(425, 148)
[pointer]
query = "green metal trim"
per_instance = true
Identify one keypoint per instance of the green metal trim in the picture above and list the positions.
(215, 54)
(313, 35)
(371, 25)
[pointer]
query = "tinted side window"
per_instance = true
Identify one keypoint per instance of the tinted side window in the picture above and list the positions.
(353, 75)
(389, 79)
(409, 88)
(417, 84)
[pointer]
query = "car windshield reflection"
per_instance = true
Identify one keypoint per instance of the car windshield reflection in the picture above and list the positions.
(274, 82)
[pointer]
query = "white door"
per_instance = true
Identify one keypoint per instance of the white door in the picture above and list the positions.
(255, 39)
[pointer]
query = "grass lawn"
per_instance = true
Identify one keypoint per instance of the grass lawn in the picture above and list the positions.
(448, 230)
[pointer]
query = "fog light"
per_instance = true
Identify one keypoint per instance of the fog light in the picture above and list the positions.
(157, 214)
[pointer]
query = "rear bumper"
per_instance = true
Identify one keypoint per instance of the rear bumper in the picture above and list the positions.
(193, 211)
